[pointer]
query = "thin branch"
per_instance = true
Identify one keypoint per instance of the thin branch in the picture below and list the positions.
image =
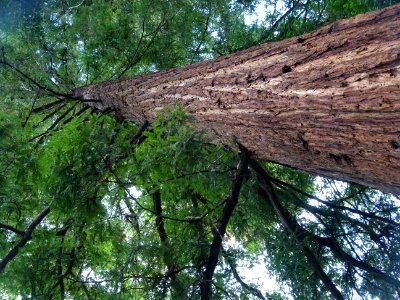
(348, 259)
(202, 237)
(139, 136)
(331, 205)
(134, 61)
(225, 292)
(253, 290)
(76, 6)
(132, 276)
(50, 115)
(203, 34)
(30, 79)
(278, 21)
(196, 173)
(45, 88)
(27, 236)
(62, 276)
(52, 126)
(122, 184)
(76, 114)
(196, 219)
(316, 211)
(220, 229)
(295, 229)
(48, 106)
(11, 228)
(31, 110)
(189, 219)
(300, 234)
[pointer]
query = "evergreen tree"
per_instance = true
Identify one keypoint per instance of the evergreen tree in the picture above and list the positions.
(95, 206)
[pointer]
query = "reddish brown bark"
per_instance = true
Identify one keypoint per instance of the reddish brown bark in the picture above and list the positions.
(327, 102)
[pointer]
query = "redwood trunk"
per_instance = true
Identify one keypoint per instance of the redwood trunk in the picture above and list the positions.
(327, 102)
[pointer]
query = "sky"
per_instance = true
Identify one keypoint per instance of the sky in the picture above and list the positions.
(258, 16)
(260, 12)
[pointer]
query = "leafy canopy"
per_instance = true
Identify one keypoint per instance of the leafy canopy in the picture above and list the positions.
(94, 207)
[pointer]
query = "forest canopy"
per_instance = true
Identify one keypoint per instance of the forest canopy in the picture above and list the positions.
(97, 207)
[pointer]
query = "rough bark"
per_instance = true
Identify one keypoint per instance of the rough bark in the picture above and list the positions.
(327, 102)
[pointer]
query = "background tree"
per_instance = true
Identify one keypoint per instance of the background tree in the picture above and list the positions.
(73, 225)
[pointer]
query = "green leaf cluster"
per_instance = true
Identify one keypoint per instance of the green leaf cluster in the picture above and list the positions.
(100, 175)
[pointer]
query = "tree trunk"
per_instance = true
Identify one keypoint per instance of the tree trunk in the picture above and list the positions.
(327, 102)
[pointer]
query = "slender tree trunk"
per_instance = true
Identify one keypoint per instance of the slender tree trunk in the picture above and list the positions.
(327, 102)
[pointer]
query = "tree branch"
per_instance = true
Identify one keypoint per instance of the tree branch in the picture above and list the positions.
(348, 259)
(318, 212)
(31, 109)
(133, 61)
(294, 228)
(62, 276)
(159, 218)
(203, 34)
(50, 115)
(273, 27)
(48, 106)
(330, 242)
(253, 290)
(53, 125)
(27, 236)
(173, 268)
(59, 95)
(331, 205)
(220, 229)
(11, 228)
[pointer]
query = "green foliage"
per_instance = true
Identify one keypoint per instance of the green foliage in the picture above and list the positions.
(99, 175)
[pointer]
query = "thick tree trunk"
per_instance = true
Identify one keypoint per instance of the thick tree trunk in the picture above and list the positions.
(327, 102)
